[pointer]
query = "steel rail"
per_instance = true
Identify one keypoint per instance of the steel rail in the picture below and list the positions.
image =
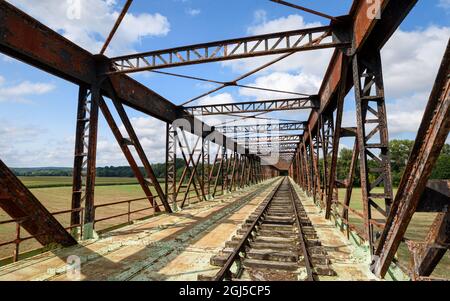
(225, 270)
(306, 256)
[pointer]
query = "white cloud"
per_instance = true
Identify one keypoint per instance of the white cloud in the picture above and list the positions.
(19, 145)
(291, 22)
(405, 114)
(444, 4)
(411, 60)
(300, 83)
(19, 134)
(312, 62)
(216, 99)
(97, 18)
(13, 142)
(19, 92)
(152, 135)
(301, 72)
(193, 12)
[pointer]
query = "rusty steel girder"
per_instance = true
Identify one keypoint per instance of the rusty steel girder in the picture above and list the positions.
(19, 203)
(431, 137)
(275, 139)
(84, 167)
(302, 103)
(46, 50)
(267, 44)
(261, 128)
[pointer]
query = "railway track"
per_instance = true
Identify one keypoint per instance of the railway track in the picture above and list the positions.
(276, 243)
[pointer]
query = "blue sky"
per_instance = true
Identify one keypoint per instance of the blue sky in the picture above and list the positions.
(37, 110)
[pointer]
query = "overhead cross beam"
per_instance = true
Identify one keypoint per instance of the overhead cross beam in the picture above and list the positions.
(282, 153)
(268, 139)
(267, 44)
(261, 128)
(302, 103)
(273, 144)
(273, 147)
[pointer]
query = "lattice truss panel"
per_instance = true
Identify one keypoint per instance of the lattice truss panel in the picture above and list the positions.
(373, 140)
(297, 40)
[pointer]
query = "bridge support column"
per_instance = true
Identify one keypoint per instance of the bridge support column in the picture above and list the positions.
(84, 170)
(171, 168)
(373, 140)
(206, 168)
(327, 128)
(336, 139)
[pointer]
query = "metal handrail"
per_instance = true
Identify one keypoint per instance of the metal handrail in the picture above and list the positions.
(18, 239)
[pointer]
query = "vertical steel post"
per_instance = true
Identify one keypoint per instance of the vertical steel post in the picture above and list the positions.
(306, 166)
(372, 135)
(89, 210)
(327, 125)
(350, 182)
(80, 157)
(171, 166)
(336, 138)
(207, 167)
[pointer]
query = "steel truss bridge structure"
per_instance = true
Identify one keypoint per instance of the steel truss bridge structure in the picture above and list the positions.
(309, 156)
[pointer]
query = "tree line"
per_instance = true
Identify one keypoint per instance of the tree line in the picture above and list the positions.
(104, 172)
(400, 150)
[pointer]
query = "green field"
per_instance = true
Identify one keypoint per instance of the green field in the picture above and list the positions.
(417, 230)
(47, 182)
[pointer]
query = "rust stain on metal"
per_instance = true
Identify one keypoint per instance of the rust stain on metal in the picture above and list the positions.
(22, 35)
